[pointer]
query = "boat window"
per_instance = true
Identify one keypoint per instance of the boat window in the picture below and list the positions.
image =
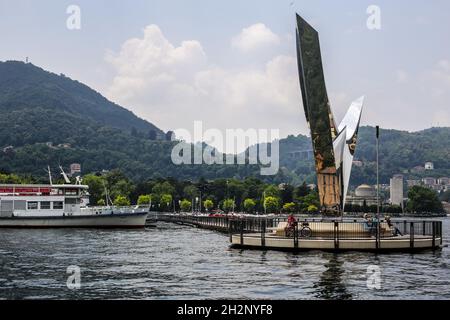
(71, 192)
(20, 205)
(57, 205)
(45, 205)
(32, 205)
(71, 201)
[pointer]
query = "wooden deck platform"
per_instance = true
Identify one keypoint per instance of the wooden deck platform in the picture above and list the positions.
(270, 242)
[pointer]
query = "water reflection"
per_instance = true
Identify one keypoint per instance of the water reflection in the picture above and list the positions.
(175, 262)
(331, 284)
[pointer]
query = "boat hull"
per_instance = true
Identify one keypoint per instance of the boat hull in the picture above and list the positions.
(129, 220)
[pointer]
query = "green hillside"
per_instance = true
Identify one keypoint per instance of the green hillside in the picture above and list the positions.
(50, 120)
(400, 152)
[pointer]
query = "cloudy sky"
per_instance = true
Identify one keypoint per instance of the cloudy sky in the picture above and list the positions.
(232, 63)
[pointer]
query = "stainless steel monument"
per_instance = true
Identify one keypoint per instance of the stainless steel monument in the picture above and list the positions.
(334, 146)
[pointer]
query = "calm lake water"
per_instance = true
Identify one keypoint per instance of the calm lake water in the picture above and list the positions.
(176, 262)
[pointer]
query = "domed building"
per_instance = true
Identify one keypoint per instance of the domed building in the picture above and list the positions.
(363, 193)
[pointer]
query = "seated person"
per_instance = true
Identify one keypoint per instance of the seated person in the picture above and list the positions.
(368, 222)
(395, 231)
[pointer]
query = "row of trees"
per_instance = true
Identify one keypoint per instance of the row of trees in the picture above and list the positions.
(250, 195)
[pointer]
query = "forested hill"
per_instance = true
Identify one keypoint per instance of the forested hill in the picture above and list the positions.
(37, 101)
(400, 153)
(48, 119)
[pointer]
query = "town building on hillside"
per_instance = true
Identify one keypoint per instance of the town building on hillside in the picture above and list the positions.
(413, 183)
(429, 181)
(8, 149)
(64, 146)
(439, 185)
(429, 166)
(418, 169)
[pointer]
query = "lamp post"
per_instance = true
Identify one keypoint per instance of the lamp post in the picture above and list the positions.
(264, 203)
(196, 204)
(234, 203)
(378, 172)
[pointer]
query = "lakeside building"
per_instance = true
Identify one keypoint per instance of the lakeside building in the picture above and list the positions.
(446, 207)
(363, 194)
(396, 190)
(439, 185)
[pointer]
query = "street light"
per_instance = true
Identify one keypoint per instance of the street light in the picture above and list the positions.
(196, 204)
(378, 183)
(264, 203)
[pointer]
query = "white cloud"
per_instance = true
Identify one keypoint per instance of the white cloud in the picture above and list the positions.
(401, 76)
(173, 86)
(152, 63)
(255, 37)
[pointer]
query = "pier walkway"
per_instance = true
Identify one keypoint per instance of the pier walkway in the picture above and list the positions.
(317, 234)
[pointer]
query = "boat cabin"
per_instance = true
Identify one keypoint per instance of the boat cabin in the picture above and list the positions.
(42, 200)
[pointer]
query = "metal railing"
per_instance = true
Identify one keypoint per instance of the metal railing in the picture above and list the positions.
(264, 228)
(337, 231)
(320, 228)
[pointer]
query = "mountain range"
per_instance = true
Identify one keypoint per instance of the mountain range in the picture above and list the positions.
(51, 119)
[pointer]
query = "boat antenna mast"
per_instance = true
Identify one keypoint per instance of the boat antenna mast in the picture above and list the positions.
(49, 175)
(66, 179)
(107, 197)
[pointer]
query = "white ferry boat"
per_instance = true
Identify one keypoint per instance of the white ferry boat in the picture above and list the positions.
(62, 206)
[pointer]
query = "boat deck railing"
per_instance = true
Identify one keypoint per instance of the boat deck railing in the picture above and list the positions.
(115, 209)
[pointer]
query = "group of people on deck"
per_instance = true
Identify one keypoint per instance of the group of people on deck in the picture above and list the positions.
(371, 224)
